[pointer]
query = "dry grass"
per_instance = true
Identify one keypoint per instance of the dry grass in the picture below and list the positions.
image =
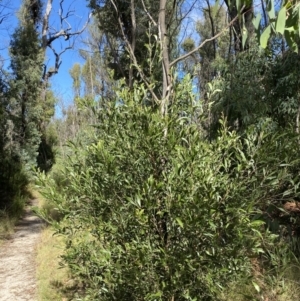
(53, 281)
(284, 287)
(50, 277)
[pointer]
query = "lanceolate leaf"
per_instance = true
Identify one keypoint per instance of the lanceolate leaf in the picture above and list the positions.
(265, 36)
(280, 22)
(256, 286)
(256, 21)
(244, 36)
(271, 10)
(180, 223)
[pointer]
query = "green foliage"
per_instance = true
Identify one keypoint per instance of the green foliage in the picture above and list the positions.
(285, 88)
(285, 23)
(22, 115)
(258, 85)
(154, 211)
(46, 153)
(26, 63)
(49, 140)
(75, 73)
(243, 99)
(12, 175)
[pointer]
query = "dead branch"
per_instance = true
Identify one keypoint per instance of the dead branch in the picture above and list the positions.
(57, 63)
(148, 14)
(65, 31)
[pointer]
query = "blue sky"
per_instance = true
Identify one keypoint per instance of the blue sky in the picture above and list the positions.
(61, 82)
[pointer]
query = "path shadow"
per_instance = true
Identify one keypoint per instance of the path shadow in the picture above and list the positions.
(29, 224)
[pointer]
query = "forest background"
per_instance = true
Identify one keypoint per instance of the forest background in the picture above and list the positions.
(174, 172)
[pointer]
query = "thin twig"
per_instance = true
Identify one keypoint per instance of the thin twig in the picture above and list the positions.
(202, 44)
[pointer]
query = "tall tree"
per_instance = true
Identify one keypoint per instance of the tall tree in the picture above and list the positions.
(49, 34)
(75, 73)
(130, 32)
(216, 53)
(26, 64)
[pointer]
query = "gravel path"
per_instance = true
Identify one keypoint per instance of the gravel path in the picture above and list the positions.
(17, 260)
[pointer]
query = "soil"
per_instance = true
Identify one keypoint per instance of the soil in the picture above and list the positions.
(17, 260)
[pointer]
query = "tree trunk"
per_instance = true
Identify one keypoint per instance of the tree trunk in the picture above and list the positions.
(133, 41)
(163, 37)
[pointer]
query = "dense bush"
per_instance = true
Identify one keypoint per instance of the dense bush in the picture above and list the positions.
(153, 211)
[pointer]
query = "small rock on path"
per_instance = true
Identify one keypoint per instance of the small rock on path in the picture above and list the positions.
(17, 260)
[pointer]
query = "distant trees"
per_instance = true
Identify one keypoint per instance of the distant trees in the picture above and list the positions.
(26, 103)
(21, 108)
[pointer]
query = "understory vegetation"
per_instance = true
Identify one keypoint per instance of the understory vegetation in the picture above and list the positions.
(151, 209)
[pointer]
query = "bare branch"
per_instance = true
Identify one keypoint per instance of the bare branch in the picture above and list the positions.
(4, 17)
(58, 62)
(133, 40)
(48, 38)
(148, 14)
(45, 28)
(49, 35)
(202, 44)
(183, 17)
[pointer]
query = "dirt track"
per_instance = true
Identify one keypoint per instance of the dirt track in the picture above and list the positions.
(17, 261)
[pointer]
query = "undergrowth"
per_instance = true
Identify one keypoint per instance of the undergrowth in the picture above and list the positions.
(10, 215)
(150, 209)
(52, 281)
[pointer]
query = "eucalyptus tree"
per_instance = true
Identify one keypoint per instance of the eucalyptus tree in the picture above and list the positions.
(142, 38)
(214, 55)
(147, 48)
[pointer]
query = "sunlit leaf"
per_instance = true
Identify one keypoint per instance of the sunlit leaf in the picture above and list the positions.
(256, 21)
(257, 223)
(180, 223)
(256, 286)
(271, 10)
(264, 38)
(244, 36)
(280, 22)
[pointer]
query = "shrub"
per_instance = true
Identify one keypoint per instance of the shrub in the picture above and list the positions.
(153, 211)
